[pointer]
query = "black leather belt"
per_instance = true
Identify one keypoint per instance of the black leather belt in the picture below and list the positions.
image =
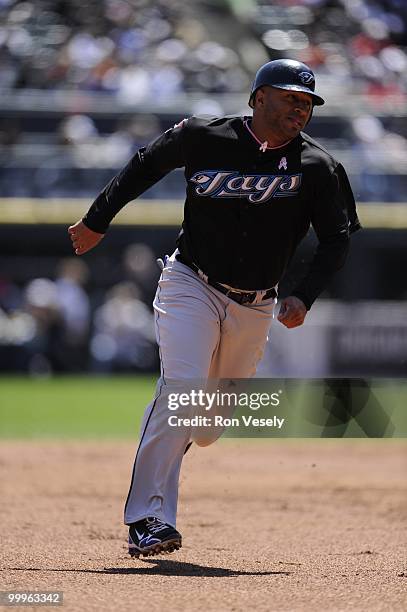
(241, 297)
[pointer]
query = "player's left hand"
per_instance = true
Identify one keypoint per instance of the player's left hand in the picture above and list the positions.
(292, 312)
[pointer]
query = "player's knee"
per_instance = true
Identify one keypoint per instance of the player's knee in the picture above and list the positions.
(204, 440)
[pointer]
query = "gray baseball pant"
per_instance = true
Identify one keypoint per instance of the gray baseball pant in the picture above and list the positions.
(202, 335)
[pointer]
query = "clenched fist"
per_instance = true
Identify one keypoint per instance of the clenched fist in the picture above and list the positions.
(292, 312)
(83, 238)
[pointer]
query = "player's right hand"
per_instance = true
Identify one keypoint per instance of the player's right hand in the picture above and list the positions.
(83, 238)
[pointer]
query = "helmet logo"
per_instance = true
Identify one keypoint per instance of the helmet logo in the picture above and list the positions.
(306, 77)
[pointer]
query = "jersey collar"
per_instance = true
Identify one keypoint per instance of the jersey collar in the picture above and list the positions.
(262, 146)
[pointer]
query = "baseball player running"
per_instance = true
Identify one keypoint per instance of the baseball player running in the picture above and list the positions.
(254, 185)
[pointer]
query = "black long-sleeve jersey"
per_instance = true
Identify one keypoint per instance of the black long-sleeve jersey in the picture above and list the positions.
(247, 207)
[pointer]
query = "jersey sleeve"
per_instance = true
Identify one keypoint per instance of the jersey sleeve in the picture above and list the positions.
(149, 165)
(334, 218)
(346, 199)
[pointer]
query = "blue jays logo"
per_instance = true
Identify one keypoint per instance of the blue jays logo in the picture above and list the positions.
(306, 77)
(255, 187)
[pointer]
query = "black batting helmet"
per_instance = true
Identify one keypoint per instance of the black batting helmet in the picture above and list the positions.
(286, 74)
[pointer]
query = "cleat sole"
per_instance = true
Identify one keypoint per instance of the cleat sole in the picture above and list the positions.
(156, 549)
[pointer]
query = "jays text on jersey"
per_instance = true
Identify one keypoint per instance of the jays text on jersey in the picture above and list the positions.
(247, 207)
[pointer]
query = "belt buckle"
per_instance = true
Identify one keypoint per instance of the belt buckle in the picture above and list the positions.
(247, 298)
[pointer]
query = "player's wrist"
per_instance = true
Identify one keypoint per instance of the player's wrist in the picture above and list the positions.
(94, 226)
(304, 299)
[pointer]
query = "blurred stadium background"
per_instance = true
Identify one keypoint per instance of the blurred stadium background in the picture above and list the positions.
(84, 83)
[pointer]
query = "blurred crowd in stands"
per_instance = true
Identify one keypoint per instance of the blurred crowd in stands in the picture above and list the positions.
(134, 49)
(358, 41)
(78, 158)
(139, 49)
(59, 325)
(133, 53)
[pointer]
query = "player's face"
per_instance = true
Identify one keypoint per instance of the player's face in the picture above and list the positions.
(284, 112)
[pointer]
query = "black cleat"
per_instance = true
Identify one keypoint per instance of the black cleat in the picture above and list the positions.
(151, 536)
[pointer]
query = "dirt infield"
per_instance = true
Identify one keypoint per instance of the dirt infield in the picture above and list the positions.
(278, 525)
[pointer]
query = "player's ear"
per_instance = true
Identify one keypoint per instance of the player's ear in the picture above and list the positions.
(259, 97)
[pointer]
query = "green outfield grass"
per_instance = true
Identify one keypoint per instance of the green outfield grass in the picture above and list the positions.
(112, 407)
(73, 407)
